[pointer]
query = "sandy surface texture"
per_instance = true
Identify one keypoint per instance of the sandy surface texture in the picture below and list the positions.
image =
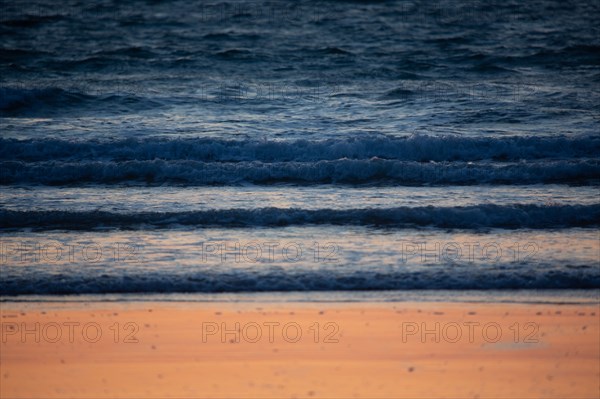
(280, 350)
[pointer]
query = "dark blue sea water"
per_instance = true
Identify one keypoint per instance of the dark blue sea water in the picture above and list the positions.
(261, 146)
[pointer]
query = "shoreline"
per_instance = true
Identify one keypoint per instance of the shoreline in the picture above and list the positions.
(582, 296)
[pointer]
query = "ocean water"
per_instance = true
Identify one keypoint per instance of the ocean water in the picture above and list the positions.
(390, 149)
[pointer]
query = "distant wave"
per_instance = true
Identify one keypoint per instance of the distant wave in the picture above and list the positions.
(30, 20)
(420, 148)
(343, 171)
(39, 101)
(467, 217)
(18, 100)
(272, 280)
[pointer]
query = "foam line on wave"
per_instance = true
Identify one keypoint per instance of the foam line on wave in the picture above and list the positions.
(273, 280)
(344, 171)
(414, 147)
(461, 217)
